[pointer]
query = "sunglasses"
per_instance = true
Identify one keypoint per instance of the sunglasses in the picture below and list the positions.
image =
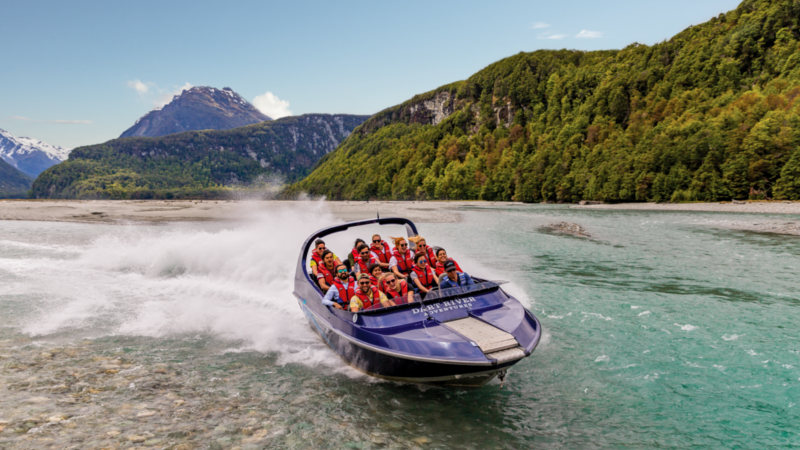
(342, 271)
(364, 253)
(363, 283)
(403, 245)
(391, 281)
(422, 260)
(376, 240)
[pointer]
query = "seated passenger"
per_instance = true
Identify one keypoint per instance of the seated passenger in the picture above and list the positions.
(376, 275)
(343, 288)
(397, 290)
(402, 260)
(365, 259)
(454, 277)
(325, 271)
(353, 256)
(422, 276)
(421, 246)
(380, 249)
(316, 256)
(441, 259)
(367, 297)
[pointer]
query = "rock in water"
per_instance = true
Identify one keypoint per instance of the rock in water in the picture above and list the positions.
(567, 228)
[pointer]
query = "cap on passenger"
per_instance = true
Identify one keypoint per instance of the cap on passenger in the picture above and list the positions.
(449, 265)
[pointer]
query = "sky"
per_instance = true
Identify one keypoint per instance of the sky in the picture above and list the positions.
(81, 72)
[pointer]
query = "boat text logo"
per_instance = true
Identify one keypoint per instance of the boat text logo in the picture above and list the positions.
(449, 305)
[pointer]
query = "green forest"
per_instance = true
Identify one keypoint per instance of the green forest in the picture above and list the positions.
(711, 114)
(197, 164)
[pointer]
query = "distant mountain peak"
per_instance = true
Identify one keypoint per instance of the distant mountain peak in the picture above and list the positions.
(198, 108)
(30, 156)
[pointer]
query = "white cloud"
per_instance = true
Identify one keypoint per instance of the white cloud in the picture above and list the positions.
(540, 25)
(139, 86)
(269, 104)
(72, 122)
(553, 36)
(588, 34)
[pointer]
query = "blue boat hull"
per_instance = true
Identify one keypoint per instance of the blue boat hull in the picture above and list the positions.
(441, 340)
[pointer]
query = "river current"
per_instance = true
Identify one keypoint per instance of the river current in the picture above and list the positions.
(660, 330)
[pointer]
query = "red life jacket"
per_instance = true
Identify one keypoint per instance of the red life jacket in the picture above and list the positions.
(382, 250)
(364, 266)
(324, 273)
(440, 266)
(345, 294)
(404, 262)
(374, 282)
(399, 295)
(371, 300)
(425, 276)
(316, 258)
(429, 254)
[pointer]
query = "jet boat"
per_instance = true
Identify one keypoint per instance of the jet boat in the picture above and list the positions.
(463, 336)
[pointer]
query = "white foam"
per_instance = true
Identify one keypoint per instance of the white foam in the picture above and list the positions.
(233, 282)
(687, 327)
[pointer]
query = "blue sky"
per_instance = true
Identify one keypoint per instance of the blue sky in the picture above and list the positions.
(81, 72)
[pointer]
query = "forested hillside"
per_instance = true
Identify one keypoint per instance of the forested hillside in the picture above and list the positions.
(197, 163)
(13, 183)
(711, 114)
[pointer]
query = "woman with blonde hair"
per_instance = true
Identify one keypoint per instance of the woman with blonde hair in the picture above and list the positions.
(421, 246)
(402, 261)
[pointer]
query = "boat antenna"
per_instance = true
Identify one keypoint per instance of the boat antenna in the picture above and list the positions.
(378, 213)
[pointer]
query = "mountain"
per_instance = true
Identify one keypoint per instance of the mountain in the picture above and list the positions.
(203, 164)
(198, 108)
(30, 156)
(711, 114)
(13, 183)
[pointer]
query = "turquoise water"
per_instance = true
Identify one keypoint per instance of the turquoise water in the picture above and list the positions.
(661, 330)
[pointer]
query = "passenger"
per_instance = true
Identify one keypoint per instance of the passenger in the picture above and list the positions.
(422, 276)
(376, 275)
(402, 260)
(343, 288)
(454, 277)
(365, 259)
(325, 270)
(421, 246)
(353, 256)
(397, 290)
(367, 297)
(316, 255)
(380, 249)
(441, 259)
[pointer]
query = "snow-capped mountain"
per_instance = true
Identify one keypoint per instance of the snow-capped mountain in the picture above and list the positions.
(28, 155)
(198, 108)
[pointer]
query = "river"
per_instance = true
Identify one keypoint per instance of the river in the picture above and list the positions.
(661, 329)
